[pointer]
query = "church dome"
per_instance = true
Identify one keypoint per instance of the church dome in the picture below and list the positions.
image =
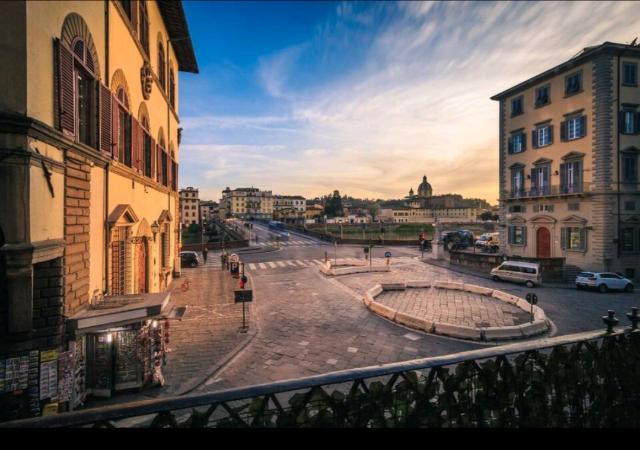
(424, 190)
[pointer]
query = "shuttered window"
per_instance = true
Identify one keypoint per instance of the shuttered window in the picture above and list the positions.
(629, 168)
(573, 128)
(172, 89)
(144, 26)
(120, 261)
(123, 131)
(517, 235)
(161, 67)
(573, 238)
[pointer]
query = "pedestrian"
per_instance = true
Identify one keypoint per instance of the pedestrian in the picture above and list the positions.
(204, 254)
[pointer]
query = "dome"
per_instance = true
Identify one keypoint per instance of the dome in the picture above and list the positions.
(424, 190)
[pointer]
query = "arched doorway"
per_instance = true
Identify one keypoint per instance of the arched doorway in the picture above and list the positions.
(543, 243)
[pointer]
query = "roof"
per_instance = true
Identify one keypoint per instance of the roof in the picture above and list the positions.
(174, 19)
(583, 56)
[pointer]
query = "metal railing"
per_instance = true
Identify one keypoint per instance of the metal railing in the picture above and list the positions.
(420, 392)
(551, 190)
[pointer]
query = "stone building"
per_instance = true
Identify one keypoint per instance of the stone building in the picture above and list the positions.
(208, 211)
(89, 242)
(569, 151)
(247, 203)
(189, 207)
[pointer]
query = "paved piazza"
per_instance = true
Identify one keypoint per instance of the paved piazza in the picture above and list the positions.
(453, 307)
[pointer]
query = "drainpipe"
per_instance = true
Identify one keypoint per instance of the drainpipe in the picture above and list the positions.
(107, 166)
(617, 131)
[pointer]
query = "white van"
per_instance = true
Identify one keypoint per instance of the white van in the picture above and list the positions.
(518, 271)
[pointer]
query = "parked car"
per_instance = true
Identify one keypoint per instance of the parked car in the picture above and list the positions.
(603, 281)
(189, 259)
(489, 242)
(519, 272)
(459, 239)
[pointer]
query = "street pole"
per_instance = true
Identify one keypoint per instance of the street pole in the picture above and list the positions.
(335, 254)
(370, 257)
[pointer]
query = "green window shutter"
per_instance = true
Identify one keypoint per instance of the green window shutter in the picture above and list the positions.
(583, 239)
(524, 141)
(524, 235)
(563, 131)
(563, 238)
(583, 126)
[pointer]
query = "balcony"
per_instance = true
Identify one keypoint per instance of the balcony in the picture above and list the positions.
(550, 191)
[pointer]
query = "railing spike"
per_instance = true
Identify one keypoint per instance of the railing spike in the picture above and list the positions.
(634, 318)
(610, 320)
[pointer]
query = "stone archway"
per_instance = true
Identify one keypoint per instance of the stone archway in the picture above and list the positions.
(543, 243)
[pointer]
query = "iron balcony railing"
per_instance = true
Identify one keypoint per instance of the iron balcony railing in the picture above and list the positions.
(548, 191)
(585, 379)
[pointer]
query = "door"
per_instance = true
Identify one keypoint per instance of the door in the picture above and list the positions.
(543, 243)
(141, 258)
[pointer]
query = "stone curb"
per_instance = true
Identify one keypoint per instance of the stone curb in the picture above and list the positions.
(538, 326)
(326, 269)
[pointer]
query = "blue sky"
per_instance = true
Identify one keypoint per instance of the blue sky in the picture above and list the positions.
(366, 97)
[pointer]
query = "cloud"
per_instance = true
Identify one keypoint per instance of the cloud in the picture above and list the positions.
(417, 103)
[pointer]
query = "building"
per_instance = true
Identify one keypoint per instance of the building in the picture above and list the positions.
(313, 212)
(208, 211)
(569, 150)
(294, 202)
(189, 207)
(88, 171)
(247, 203)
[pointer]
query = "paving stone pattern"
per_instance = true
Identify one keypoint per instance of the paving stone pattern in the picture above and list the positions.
(453, 307)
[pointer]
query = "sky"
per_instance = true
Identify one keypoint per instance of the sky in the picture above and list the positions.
(304, 97)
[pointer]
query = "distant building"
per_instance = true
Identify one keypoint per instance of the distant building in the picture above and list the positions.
(295, 203)
(314, 212)
(247, 203)
(208, 211)
(189, 207)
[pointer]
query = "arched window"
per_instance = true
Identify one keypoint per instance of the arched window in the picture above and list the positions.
(163, 170)
(161, 66)
(84, 97)
(172, 89)
(147, 146)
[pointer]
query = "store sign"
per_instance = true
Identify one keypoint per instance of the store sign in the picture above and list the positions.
(234, 258)
(244, 296)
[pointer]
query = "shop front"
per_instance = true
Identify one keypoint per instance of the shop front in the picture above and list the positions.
(126, 340)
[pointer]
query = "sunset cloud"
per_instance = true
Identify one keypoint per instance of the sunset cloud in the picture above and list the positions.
(414, 100)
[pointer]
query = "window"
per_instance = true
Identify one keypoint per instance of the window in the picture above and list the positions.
(161, 66)
(517, 209)
(573, 128)
(573, 238)
(84, 108)
(172, 89)
(574, 206)
(165, 178)
(146, 149)
(120, 260)
(626, 241)
(517, 143)
(543, 208)
(517, 181)
(629, 74)
(542, 96)
(629, 168)
(571, 177)
(542, 136)
(144, 26)
(629, 122)
(517, 106)
(540, 180)
(126, 6)
(573, 83)
(517, 235)
(124, 128)
(630, 205)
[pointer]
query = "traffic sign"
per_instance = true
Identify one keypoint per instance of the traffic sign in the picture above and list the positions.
(387, 254)
(244, 296)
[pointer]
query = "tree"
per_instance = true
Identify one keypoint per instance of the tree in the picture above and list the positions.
(487, 215)
(194, 228)
(333, 205)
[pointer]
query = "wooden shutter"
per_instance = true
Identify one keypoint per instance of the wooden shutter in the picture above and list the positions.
(134, 16)
(550, 134)
(636, 123)
(159, 164)
(583, 239)
(524, 235)
(66, 90)
(175, 176)
(563, 238)
(534, 139)
(135, 144)
(563, 178)
(524, 141)
(583, 126)
(510, 145)
(563, 131)
(105, 119)
(115, 127)
(169, 171)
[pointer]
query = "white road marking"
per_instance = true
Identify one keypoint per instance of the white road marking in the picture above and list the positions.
(281, 264)
(317, 261)
(300, 263)
(252, 266)
(291, 263)
(272, 264)
(262, 266)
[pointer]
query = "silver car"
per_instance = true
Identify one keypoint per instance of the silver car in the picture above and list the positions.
(603, 281)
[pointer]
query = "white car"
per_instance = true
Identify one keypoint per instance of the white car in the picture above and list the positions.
(603, 281)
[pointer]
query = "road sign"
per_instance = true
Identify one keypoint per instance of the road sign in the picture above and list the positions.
(234, 258)
(243, 296)
(387, 254)
(532, 298)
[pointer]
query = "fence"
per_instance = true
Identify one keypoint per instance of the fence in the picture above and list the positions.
(580, 380)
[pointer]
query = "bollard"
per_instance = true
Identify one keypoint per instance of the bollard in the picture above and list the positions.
(610, 320)
(633, 318)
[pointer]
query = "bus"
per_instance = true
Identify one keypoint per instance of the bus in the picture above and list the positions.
(278, 228)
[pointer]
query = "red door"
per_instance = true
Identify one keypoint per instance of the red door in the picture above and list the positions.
(142, 267)
(543, 243)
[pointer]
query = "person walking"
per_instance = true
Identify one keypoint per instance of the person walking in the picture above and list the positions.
(204, 254)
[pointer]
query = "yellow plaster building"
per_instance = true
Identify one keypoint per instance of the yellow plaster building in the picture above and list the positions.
(569, 151)
(89, 138)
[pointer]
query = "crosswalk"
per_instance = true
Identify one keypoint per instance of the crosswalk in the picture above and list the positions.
(300, 263)
(291, 243)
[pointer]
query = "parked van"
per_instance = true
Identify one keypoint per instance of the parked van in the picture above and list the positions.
(519, 272)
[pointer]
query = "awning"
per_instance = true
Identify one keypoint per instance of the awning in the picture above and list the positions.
(116, 311)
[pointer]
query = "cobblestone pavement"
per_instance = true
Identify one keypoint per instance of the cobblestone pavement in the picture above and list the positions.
(208, 331)
(310, 325)
(453, 307)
